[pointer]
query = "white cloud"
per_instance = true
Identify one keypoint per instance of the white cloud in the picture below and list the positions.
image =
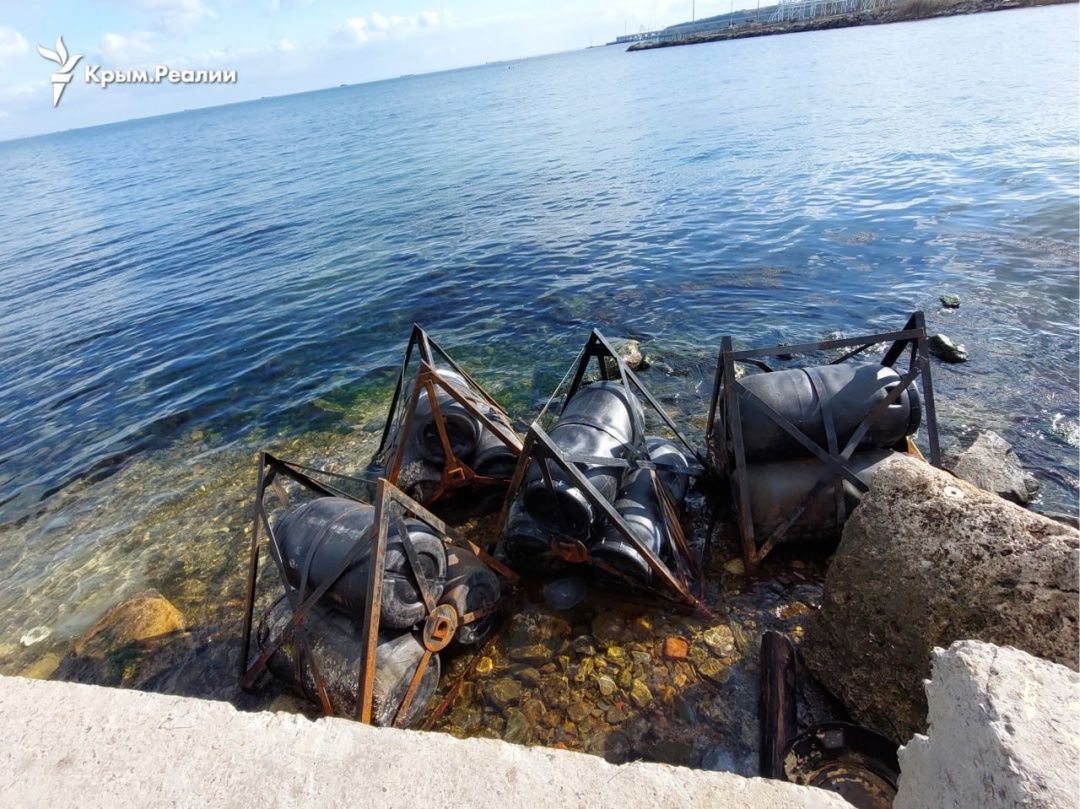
(12, 92)
(124, 48)
(358, 30)
(278, 5)
(12, 44)
(285, 46)
(177, 16)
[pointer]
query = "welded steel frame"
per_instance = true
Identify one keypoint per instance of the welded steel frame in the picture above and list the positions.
(539, 448)
(726, 447)
(391, 506)
(455, 473)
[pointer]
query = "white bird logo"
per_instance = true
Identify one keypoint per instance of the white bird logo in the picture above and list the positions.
(67, 64)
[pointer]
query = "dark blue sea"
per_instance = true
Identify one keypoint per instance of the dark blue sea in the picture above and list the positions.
(181, 291)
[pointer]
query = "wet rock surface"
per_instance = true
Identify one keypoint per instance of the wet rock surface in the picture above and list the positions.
(1002, 733)
(925, 560)
(942, 347)
(109, 652)
(630, 351)
(991, 464)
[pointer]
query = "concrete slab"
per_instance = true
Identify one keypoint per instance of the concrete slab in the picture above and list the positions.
(66, 744)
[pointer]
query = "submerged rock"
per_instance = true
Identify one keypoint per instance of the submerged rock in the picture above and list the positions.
(1001, 733)
(926, 560)
(945, 349)
(676, 648)
(43, 668)
(640, 694)
(117, 649)
(503, 692)
(147, 615)
(991, 464)
(720, 639)
(950, 301)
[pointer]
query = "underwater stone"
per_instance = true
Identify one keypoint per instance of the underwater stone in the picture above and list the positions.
(735, 567)
(608, 628)
(485, 665)
(950, 301)
(606, 685)
(616, 715)
(529, 676)
(720, 639)
(536, 627)
(584, 670)
(43, 668)
(534, 710)
(533, 653)
(583, 645)
(147, 615)
(578, 710)
(710, 667)
(518, 730)
(676, 648)
(640, 694)
(503, 692)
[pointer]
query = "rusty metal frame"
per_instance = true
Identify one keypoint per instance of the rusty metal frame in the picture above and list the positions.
(539, 448)
(456, 473)
(724, 437)
(391, 506)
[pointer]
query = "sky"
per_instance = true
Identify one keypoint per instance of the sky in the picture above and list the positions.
(278, 47)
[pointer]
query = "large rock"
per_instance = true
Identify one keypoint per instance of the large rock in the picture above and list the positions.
(991, 464)
(925, 560)
(1002, 733)
(109, 652)
(147, 615)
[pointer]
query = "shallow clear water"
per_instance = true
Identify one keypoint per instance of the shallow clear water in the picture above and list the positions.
(179, 292)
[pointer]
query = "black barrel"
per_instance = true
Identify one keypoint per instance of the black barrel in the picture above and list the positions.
(337, 647)
(470, 586)
(848, 391)
(778, 488)
(525, 544)
(493, 458)
(462, 427)
(419, 479)
(602, 420)
(639, 506)
(671, 465)
(317, 535)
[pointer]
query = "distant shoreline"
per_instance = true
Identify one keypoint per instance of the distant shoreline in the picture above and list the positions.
(902, 12)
